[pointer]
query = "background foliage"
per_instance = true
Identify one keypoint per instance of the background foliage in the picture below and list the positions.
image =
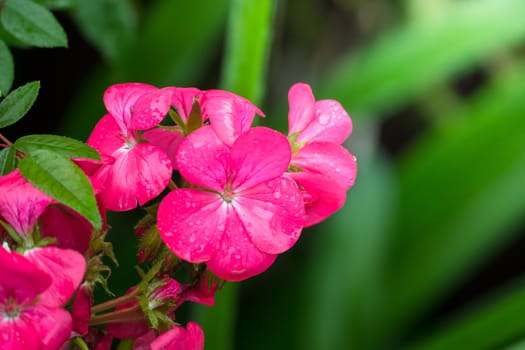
(428, 251)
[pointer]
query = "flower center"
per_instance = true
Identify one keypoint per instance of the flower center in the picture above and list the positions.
(10, 309)
(228, 194)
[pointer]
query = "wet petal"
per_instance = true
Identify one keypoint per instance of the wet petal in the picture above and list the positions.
(52, 326)
(17, 334)
(259, 155)
(21, 204)
(167, 140)
(150, 109)
(66, 268)
(329, 159)
(204, 160)
(302, 107)
(238, 258)
(182, 99)
(230, 115)
(137, 176)
(322, 197)
(191, 223)
(107, 137)
(119, 100)
(272, 214)
(330, 123)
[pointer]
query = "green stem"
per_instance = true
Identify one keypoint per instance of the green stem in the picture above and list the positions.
(130, 314)
(115, 302)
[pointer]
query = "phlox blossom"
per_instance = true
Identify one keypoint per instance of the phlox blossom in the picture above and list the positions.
(323, 168)
(241, 210)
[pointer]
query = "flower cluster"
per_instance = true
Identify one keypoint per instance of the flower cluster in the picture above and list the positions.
(225, 199)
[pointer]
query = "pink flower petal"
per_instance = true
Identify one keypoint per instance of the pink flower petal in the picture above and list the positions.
(17, 334)
(81, 310)
(259, 155)
(107, 138)
(119, 100)
(329, 159)
(331, 123)
(179, 338)
(322, 197)
(167, 140)
(144, 341)
(137, 175)
(238, 258)
(191, 223)
(302, 107)
(70, 229)
(21, 276)
(272, 214)
(52, 326)
(66, 268)
(182, 99)
(230, 115)
(21, 203)
(150, 109)
(203, 159)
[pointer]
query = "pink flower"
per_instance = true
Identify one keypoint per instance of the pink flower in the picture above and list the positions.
(243, 211)
(134, 171)
(22, 205)
(323, 169)
(178, 338)
(27, 319)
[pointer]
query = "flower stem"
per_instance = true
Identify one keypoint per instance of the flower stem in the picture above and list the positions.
(130, 314)
(115, 302)
(5, 140)
(172, 185)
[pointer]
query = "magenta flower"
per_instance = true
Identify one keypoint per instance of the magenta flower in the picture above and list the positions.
(242, 211)
(29, 319)
(134, 171)
(323, 169)
(22, 205)
(180, 338)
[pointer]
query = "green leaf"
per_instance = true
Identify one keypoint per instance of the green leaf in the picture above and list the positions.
(32, 24)
(6, 69)
(492, 324)
(17, 103)
(408, 60)
(7, 160)
(461, 194)
(107, 24)
(58, 4)
(250, 30)
(65, 146)
(62, 180)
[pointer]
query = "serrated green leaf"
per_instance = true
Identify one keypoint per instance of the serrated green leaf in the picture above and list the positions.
(32, 24)
(107, 24)
(62, 180)
(62, 145)
(17, 103)
(6, 69)
(7, 160)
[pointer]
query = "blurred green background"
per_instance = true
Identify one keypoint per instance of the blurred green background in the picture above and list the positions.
(428, 251)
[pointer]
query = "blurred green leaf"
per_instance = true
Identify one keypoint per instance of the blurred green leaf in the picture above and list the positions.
(17, 103)
(414, 57)
(58, 4)
(32, 24)
(493, 324)
(461, 192)
(108, 24)
(165, 52)
(63, 180)
(248, 38)
(7, 69)
(65, 146)
(343, 292)
(7, 160)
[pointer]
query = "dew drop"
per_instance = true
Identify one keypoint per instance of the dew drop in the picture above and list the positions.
(324, 119)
